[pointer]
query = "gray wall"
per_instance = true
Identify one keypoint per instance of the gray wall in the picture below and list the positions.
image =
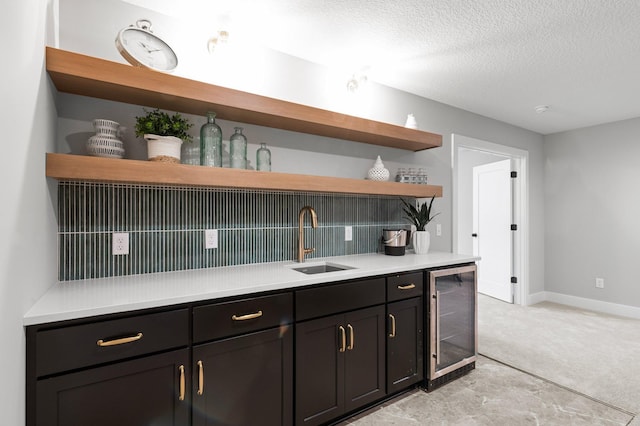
(28, 225)
(593, 212)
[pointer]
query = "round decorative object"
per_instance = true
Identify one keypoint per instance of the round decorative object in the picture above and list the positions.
(378, 172)
(140, 47)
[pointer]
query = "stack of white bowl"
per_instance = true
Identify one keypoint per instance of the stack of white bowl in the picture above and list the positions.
(105, 143)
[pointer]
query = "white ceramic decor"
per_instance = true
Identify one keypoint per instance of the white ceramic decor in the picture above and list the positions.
(163, 148)
(421, 241)
(378, 171)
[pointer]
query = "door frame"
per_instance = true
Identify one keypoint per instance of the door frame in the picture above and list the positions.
(520, 161)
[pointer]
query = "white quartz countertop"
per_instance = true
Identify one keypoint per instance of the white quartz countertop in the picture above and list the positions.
(80, 299)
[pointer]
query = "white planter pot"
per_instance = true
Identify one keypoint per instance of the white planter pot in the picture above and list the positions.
(163, 148)
(421, 241)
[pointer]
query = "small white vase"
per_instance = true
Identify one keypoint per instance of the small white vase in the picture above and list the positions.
(378, 171)
(163, 148)
(421, 241)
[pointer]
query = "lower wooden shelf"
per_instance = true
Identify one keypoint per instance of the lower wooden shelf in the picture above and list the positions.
(66, 167)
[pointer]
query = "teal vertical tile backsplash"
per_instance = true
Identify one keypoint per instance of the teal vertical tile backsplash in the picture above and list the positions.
(166, 227)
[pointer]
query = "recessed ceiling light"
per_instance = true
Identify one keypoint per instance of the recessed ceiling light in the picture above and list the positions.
(541, 108)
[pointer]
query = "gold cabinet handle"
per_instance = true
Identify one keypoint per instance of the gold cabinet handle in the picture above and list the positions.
(343, 337)
(103, 343)
(182, 383)
(351, 338)
(247, 316)
(393, 326)
(200, 378)
(407, 287)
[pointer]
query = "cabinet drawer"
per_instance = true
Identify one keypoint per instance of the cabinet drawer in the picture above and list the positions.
(336, 298)
(78, 346)
(241, 316)
(404, 286)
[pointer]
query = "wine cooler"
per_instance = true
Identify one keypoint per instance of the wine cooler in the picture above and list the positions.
(451, 321)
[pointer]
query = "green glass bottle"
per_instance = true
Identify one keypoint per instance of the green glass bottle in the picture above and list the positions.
(211, 142)
(238, 143)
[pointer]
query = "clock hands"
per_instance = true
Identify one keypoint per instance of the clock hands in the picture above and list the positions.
(147, 48)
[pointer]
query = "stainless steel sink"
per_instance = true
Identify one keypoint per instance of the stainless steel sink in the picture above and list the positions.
(321, 268)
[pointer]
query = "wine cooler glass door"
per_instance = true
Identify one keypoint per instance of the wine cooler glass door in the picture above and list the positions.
(453, 325)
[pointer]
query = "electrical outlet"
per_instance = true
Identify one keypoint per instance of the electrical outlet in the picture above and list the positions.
(439, 230)
(211, 238)
(120, 243)
(599, 282)
(348, 233)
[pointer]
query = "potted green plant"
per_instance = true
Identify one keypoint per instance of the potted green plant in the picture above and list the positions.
(420, 216)
(164, 134)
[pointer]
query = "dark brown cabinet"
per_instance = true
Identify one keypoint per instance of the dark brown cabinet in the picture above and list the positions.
(245, 375)
(405, 366)
(126, 371)
(147, 391)
(244, 380)
(340, 358)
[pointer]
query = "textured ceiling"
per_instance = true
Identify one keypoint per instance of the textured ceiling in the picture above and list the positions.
(497, 58)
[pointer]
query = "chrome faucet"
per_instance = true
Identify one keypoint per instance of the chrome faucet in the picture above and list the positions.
(314, 222)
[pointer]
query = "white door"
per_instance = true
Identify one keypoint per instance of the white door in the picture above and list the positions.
(492, 207)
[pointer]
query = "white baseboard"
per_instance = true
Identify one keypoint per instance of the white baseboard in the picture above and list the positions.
(583, 303)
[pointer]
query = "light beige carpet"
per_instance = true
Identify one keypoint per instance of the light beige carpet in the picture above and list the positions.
(595, 354)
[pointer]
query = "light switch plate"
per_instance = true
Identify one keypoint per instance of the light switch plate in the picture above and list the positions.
(439, 230)
(599, 282)
(210, 238)
(348, 233)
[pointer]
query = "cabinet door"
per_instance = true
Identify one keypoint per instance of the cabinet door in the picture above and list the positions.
(146, 391)
(320, 346)
(404, 344)
(244, 380)
(364, 357)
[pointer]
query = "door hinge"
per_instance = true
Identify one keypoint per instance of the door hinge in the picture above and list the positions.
(514, 227)
(514, 280)
(514, 174)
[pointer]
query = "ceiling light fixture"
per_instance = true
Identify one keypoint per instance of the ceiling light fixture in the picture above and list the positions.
(355, 82)
(218, 41)
(541, 109)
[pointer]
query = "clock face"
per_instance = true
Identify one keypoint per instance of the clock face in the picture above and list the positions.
(142, 48)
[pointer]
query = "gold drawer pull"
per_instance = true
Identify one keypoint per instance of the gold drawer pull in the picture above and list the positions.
(182, 383)
(121, 341)
(393, 326)
(200, 378)
(246, 317)
(406, 287)
(343, 338)
(351, 337)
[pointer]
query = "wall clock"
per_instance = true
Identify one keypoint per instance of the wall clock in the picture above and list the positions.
(140, 47)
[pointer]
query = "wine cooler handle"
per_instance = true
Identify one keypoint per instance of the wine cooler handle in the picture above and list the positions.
(437, 319)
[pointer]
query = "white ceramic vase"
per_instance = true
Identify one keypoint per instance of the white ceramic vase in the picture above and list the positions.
(163, 148)
(421, 241)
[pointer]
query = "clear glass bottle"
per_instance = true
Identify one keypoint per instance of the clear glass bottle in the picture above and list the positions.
(211, 142)
(191, 152)
(238, 149)
(263, 158)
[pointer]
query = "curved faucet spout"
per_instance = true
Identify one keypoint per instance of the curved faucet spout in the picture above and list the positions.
(302, 251)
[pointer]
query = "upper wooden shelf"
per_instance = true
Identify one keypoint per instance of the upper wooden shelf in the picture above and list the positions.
(84, 75)
(66, 167)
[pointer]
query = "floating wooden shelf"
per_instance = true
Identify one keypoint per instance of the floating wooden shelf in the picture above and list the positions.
(84, 75)
(65, 167)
